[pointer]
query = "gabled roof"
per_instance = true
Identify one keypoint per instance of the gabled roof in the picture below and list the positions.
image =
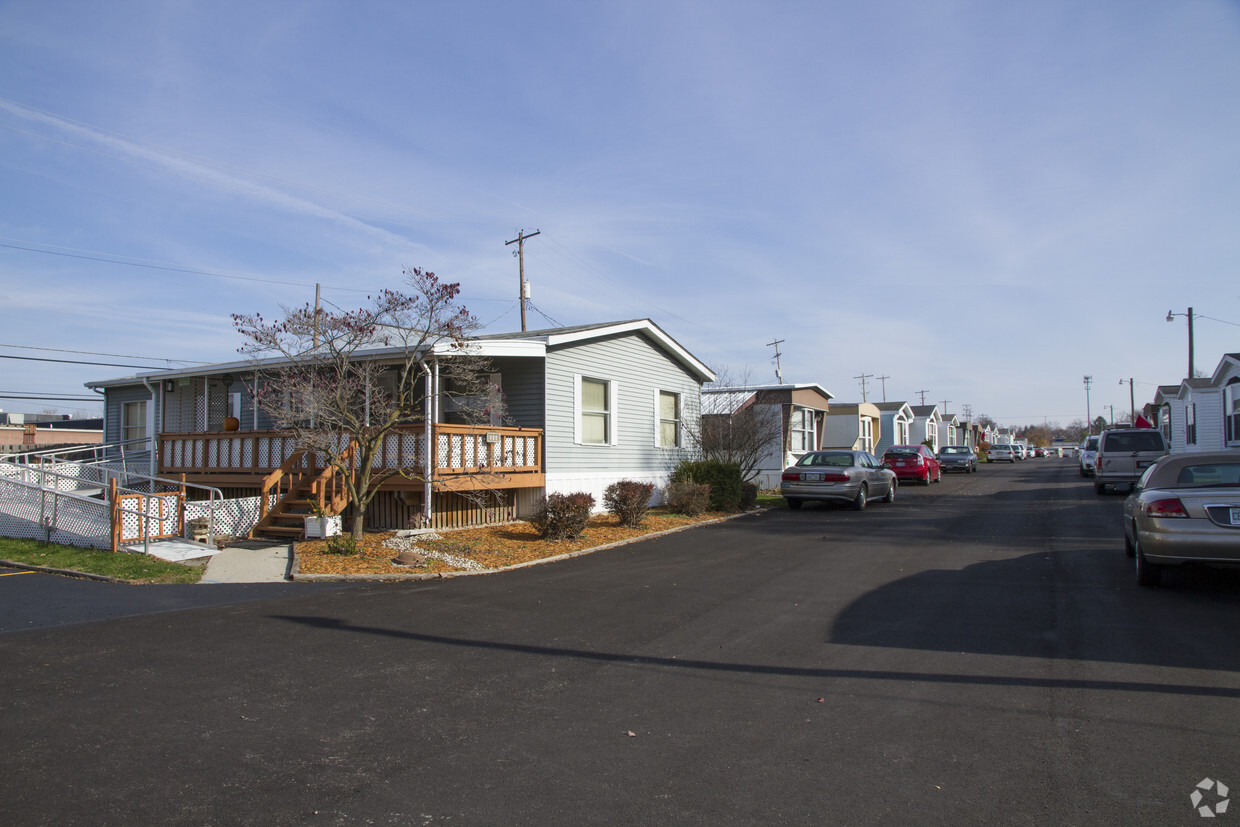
(896, 408)
(925, 411)
(1229, 360)
(559, 336)
(530, 343)
(730, 399)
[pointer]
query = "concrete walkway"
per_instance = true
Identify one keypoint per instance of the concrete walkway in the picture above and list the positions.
(257, 564)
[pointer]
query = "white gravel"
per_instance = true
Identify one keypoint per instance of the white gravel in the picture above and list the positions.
(408, 544)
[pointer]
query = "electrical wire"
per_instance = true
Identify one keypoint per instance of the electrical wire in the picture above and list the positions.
(79, 362)
(96, 353)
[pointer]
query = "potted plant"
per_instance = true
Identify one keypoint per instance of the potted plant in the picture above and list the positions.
(319, 524)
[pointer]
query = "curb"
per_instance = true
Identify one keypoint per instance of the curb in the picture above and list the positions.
(380, 578)
(9, 564)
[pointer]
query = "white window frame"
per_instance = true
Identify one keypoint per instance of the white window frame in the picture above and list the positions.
(659, 420)
(613, 405)
(1190, 423)
(1231, 412)
(809, 433)
(867, 434)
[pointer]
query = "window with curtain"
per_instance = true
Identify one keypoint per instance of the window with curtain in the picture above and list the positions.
(595, 412)
(669, 420)
(133, 419)
(1190, 424)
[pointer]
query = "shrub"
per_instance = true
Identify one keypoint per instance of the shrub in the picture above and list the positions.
(688, 498)
(749, 495)
(629, 501)
(563, 516)
(724, 479)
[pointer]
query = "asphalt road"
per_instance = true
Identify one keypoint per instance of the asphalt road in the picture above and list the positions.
(977, 652)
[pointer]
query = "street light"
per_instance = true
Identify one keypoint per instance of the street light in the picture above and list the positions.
(1089, 423)
(1171, 318)
(1132, 401)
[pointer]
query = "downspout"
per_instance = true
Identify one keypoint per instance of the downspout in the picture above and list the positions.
(150, 418)
(429, 416)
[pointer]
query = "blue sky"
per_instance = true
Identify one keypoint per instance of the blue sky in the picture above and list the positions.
(985, 201)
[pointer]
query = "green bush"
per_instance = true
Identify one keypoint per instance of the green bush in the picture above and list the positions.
(724, 479)
(749, 495)
(688, 498)
(629, 501)
(563, 516)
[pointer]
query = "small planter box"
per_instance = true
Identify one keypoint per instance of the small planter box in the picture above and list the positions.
(321, 527)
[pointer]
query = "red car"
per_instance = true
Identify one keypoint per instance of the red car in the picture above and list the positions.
(913, 462)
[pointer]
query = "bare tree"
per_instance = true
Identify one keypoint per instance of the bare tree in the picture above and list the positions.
(736, 426)
(340, 381)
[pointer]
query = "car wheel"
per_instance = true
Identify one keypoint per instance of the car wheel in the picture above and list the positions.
(1148, 574)
(939, 478)
(1129, 549)
(1100, 487)
(891, 491)
(858, 503)
(926, 481)
(793, 503)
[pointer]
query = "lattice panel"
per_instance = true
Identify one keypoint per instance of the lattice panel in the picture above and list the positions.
(470, 450)
(411, 449)
(247, 452)
(31, 514)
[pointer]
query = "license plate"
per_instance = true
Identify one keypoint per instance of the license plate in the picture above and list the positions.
(811, 477)
(1235, 516)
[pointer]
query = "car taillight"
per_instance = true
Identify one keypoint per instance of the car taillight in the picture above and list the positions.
(835, 477)
(1170, 507)
(791, 476)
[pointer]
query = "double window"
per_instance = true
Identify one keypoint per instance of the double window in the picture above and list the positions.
(804, 435)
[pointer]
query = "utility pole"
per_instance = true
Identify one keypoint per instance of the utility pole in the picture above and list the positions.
(317, 313)
(520, 242)
(923, 395)
(1089, 421)
(864, 377)
(779, 368)
(1132, 401)
(945, 401)
(883, 379)
(968, 412)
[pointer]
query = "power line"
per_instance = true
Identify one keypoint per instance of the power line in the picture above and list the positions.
(78, 362)
(96, 353)
(54, 398)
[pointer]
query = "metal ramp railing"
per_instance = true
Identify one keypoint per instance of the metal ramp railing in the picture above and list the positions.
(100, 498)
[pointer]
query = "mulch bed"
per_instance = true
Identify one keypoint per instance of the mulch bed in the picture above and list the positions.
(494, 547)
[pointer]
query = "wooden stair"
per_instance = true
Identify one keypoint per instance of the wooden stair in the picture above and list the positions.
(301, 494)
(286, 519)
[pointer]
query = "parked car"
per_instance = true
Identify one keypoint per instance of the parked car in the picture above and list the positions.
(1039, 452)
(1124, 454)
(1088, 449)
(837, 476)
(913, 462)
(1184, 509)
(1002, 453)
(958, 458)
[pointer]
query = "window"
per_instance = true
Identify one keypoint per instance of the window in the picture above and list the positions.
(133, 421)
(1190, 424)
(1231, 410)
(867, 434)
(595, 412)
(803, 433)
(669, 420)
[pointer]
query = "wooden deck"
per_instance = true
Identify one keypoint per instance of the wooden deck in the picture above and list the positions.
(462, 457)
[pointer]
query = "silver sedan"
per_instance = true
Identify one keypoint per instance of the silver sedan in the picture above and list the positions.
(838, 476)
(1184, 509)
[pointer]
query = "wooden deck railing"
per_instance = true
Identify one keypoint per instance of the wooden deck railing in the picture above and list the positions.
(456, 450)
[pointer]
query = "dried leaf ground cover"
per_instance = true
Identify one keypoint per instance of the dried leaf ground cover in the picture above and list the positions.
(495, 547)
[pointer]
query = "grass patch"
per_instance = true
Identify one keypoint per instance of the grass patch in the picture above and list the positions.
(771, 499)
(135, 568)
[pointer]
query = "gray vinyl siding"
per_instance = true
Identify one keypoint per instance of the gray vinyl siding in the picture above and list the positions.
(639, 369)
(114, 416)
(523, 381)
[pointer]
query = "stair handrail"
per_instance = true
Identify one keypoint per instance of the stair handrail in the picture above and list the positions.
(329, 478)
(273, 480)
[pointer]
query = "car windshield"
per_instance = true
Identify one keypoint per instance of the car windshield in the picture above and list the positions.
(904, 454)
(952, 449)
(831, 460)
(1215, 474)
(1131, 443)
(1091, 444)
